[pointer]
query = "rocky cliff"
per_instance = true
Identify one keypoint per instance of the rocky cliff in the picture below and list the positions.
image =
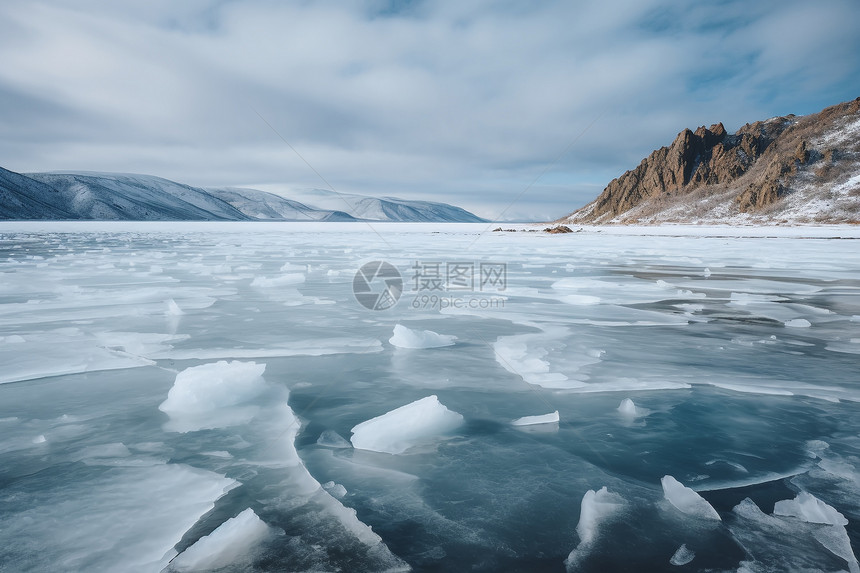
(783, 170)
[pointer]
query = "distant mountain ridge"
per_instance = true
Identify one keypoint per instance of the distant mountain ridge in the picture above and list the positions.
(783, 170)
(131, 197)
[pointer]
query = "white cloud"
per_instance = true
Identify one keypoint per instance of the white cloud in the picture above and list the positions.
(466, 102)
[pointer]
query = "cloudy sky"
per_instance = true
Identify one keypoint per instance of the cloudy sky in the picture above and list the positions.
(470, 102)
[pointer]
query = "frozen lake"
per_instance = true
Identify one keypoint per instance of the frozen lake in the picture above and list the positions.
(202, 396)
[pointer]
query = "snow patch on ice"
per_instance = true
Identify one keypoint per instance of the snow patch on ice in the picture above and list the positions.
(402, 428)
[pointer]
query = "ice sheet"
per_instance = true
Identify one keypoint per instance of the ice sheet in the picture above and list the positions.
(114, 519)
(729, 385)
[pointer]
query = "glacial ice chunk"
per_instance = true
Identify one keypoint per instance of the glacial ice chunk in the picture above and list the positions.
(792, 538)
(407, 426)
(173, 309)
(331, 439)
(629, 409)
(807, 507)
(833, 536)
(596, 507)
(686, 500)
(209, 395)
(682, 556)
(335, 489)
(274, 282)
(550, 418)
(408, 338)
(231, 543)
(798, 323)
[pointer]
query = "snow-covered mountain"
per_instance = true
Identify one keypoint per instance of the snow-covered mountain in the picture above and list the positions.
(113, 196)
(270, 207)
(116, 196)
(22, 197)
(384, 208)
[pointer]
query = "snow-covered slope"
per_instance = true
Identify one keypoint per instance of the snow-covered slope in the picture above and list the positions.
(261, 205)
(24, 198)
(115, 196)
(384, 208)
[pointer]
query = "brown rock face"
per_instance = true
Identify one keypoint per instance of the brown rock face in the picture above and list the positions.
(705, 157)
(759, 165)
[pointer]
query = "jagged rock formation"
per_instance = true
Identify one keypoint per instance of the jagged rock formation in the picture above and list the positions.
(785, 169)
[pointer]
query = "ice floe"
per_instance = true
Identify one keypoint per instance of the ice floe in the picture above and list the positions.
(142, 512)
(551, 418)
(231, 544)
(682, 556)
(407, 338)
(208, 396)
(629, 409)
(596, 508)
(331, 439)
(686, 500)
(402, 428)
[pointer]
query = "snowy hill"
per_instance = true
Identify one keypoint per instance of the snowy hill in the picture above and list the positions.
(268, 206)
(115, 196)
(784, 170)
(385, 208)
(24, 198)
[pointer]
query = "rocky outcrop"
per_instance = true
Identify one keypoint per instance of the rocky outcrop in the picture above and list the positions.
(713, 175)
